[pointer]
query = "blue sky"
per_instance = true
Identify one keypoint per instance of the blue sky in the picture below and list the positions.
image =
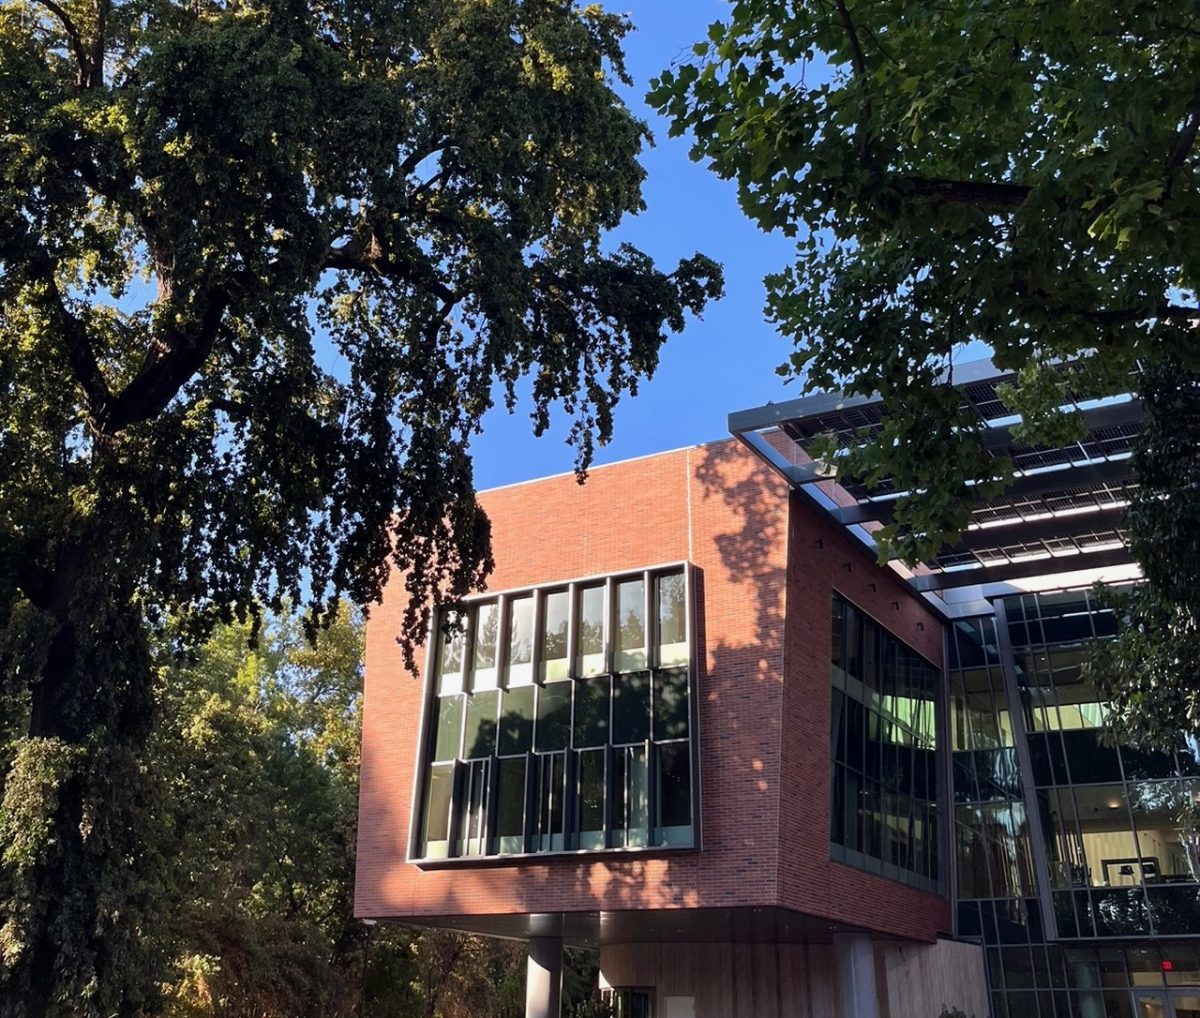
(724, 362)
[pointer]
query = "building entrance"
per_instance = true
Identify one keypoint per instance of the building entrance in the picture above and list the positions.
(1181, 1003)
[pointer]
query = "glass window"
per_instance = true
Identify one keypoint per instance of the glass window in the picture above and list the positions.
(519, 666)
(511, 763)
(486, 634)
(556, 609)
(516, 722)
(883, 731)
(553, 717)
(671, 704)
(672, 620)
(450, 664)
(480, 732)
(510, 806)
(591, 798)
(551, 801)
(631, 625)
(435, 834)
(631, 708)
(473, 808)
(448, 732)
(631, 800)
(674, 794)
(591, 630)
(592, 697)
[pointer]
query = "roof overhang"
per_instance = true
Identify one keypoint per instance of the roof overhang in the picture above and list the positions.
(1060, 522)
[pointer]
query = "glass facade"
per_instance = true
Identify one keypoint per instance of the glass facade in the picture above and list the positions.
(887, 804)
(1077, 859)
(561, 719)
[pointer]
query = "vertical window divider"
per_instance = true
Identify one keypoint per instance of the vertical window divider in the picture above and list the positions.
(650, 629)
(470, 618)
(571, 797)
(491, 841)
(454, 828)
(573, 610)
(503, 641)
(610, 624)
(529, 826)
(651, 791)
(539, 621)
(610, 790)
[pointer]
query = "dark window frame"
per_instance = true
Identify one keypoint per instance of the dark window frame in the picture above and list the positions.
(655, 838)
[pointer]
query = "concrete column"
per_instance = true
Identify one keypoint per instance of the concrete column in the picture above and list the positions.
(854, 957)
(543, 978)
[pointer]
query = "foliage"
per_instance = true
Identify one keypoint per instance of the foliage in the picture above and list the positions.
(204, 206)
(1019, 173)
(256, 765)
(595, 1006)
(1149, 672)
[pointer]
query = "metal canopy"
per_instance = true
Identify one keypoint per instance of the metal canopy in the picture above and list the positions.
(1062, 513)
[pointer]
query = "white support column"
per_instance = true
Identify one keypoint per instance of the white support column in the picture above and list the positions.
(854, 955)
(543, 978)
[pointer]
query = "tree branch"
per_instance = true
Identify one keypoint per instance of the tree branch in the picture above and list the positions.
(370, 254)
(1168, 312)
(167, 367)
(984, 193)
(859, 62)
(1185, 141)
(76, 40)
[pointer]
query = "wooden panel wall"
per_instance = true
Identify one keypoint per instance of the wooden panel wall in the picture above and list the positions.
(923, 980)
(729, 980)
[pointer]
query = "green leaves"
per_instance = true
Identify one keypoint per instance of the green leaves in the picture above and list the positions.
(195, 199)
(968, 172)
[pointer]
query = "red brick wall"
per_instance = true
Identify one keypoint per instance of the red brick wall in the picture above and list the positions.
(822, 560)
(720, 508)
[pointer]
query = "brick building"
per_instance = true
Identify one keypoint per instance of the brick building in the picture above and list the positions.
(693, 723)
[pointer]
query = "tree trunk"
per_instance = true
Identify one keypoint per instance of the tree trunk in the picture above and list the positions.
(79, 896)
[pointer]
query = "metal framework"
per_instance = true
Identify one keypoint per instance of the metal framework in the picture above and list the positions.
(1062, 513)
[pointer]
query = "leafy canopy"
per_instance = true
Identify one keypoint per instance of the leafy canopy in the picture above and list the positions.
(263, 264)
(197, 198)
(1020, 173)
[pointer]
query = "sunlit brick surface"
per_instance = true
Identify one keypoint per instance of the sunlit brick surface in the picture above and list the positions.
(764, 684)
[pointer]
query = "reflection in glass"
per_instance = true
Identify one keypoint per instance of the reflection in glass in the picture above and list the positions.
(435, 835)
(479, 736)
(472, 819)
(519, 666)
(672, 620)
(630, 630)
(556, 611)
(674, 794)
(448, 733)
(510, 806)
(671, 704)
(450, 663)
(516, 722)
(551, 801)
(553, 717)
(591, 630)
(486, 634)
(591, 712)
(631, 708)
(591, 799)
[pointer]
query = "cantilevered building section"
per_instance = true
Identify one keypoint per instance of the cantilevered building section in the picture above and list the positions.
(695, 725)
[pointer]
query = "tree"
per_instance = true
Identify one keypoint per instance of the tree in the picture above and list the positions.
(1150, 672)
(196, 200)
(1019, 173)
